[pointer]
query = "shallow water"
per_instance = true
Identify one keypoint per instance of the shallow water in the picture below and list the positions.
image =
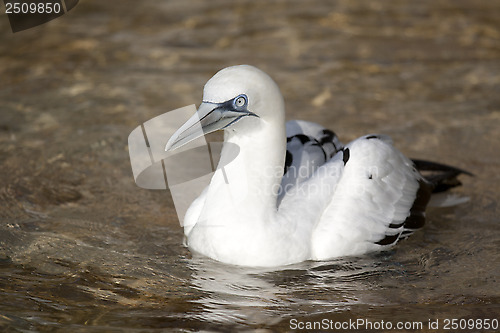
(82, 249)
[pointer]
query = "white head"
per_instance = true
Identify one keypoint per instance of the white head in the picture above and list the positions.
(237, 99)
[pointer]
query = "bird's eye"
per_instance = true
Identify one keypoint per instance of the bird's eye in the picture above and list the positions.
(240, 101)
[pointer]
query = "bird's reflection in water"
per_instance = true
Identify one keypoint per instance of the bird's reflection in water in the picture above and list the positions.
(234, 294)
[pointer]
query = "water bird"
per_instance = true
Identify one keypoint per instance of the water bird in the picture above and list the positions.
(294, 192)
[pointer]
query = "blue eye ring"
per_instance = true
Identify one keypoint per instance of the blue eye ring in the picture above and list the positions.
(240, 101)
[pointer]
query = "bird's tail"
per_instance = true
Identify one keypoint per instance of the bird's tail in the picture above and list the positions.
(442, 177)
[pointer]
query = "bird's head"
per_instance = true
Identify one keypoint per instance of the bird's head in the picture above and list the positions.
(239, 99)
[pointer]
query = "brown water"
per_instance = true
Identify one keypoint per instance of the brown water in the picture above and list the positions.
(82, 249)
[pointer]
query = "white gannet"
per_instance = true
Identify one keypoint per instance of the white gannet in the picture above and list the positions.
(294, 192)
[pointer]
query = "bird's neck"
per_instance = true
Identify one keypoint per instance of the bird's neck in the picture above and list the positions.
(246, 188)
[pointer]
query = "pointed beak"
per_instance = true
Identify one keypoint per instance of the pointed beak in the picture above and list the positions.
(209, 118)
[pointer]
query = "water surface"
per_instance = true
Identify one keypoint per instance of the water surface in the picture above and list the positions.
(82, 249)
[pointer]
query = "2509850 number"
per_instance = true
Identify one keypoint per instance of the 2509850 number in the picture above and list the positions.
(32, 8)
(470, 324)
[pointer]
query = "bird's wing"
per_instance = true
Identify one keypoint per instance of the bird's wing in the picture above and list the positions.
(377, 196)
(309, 146)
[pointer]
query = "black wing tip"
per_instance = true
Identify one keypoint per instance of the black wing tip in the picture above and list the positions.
(423, 165)
(442, 176)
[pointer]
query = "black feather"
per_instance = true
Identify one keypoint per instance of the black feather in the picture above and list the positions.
(441, 176)
(302, 138)
(288, 161)
(346, 155)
